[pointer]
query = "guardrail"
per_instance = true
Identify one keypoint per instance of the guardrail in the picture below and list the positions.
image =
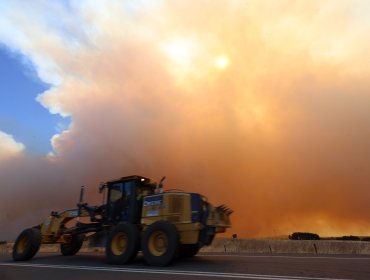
(288, 246)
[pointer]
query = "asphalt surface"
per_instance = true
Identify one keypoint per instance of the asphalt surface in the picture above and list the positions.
(203, 266)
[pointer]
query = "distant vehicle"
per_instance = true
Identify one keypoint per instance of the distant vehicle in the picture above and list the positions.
(304, 236)
(350, 238)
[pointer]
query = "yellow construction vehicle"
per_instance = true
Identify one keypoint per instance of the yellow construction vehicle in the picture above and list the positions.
(137, 216)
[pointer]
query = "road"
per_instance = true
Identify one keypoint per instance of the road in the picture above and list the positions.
(202, 267)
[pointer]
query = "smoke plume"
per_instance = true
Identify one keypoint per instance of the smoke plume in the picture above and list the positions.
(260, 105)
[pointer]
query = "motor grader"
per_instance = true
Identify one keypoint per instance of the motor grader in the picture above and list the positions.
(137, 215)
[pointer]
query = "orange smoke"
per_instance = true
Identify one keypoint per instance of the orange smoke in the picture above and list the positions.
(260, 105)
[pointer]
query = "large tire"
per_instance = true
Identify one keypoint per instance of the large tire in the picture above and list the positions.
(71, 248)
(160, 243)
(188, 251)
(122, 244)
(27, 244)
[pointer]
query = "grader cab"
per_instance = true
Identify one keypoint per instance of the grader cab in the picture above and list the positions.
(137, 216)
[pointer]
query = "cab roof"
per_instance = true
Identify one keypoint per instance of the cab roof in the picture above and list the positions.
(131, 178)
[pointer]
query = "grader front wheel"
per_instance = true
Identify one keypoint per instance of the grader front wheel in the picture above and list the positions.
(27, 244)
(71, 248)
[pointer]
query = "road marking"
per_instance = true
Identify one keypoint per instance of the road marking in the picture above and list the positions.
(170, 272)
(283, 257)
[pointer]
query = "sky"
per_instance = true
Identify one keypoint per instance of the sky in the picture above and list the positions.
(20, 114)
(260, 105)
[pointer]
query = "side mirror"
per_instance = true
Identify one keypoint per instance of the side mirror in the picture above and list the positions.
(160, 185)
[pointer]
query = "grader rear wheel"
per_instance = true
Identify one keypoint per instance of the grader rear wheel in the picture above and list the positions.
(160, 243)
(27, 244)
(119, 243)
(122, 244)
